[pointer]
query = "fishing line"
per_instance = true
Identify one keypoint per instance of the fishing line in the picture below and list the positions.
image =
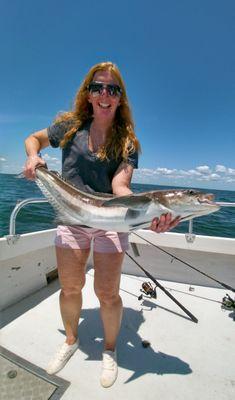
(192, 317)
(187, 264)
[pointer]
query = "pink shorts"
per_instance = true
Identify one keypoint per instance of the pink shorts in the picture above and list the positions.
(77, 237)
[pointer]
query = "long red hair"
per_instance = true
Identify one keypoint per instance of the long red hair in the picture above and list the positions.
(122, 138)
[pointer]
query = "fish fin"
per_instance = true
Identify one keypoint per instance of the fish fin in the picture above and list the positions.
(20, 176)
(134, 202)
(62, 219)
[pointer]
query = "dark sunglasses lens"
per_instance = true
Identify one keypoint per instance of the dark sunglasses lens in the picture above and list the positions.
(95, 87)
(114, 90)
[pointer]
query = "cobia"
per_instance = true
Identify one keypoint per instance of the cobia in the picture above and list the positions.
(120, 214)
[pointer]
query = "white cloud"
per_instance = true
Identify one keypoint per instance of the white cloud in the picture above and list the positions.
(204, 169)
(3, 164)
(220, 168)
(203, 173)
(49, 158)
(215, 176)
(165, 171)
(9, 166)
(52, 162)
(193, 172)
(231, 171)
(146, 172)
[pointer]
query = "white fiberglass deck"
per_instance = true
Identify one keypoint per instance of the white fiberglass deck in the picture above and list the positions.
(185, 360)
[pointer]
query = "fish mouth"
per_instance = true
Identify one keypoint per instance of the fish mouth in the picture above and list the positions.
(207, 199)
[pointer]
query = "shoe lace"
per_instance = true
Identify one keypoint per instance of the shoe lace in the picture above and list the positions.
(63, 353)
(108, 362)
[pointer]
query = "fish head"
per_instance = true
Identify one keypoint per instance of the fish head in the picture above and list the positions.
(187, 203)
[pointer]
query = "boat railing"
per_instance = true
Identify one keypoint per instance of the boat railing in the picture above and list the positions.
(13, 237)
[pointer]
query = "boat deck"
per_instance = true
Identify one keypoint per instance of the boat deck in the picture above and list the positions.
(184, 359)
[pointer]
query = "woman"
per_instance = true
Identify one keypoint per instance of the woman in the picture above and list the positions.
(99, 152)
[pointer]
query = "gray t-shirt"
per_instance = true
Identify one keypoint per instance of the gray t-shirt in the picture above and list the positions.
(81, 166)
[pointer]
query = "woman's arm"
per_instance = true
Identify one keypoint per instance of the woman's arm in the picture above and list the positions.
(121, 187)
(122, 180)
(33, 144)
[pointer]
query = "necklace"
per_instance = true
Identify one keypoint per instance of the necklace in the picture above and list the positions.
(95, 141)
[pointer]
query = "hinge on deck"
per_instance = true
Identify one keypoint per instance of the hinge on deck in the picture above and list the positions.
(190, 237)
(12, 239)
(135, 249)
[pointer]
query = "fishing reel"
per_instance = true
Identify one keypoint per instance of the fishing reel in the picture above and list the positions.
(228, 303)
(148, 290)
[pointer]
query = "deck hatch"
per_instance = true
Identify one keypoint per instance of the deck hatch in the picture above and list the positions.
(22, 380)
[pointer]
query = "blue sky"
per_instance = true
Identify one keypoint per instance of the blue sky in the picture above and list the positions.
(177, 59)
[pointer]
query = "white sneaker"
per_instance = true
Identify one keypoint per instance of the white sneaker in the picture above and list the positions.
(109, 368)
(61, 357)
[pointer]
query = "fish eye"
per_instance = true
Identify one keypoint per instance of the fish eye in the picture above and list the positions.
(192, 191)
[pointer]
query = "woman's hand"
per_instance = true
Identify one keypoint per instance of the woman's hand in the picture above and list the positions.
(33, 144)
(164, 223)
(31, 163)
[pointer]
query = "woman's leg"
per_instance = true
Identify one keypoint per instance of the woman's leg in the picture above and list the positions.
(106, 284)
(71, 269)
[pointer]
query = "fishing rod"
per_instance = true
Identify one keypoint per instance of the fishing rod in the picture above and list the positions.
(192, 317)
(225, 285)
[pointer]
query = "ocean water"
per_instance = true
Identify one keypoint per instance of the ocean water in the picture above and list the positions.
(36, 217)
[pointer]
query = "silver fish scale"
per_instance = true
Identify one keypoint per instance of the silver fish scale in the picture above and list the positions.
(60, 218)
(48, 195)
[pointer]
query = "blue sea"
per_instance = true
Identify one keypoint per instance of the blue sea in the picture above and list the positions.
(36, 217)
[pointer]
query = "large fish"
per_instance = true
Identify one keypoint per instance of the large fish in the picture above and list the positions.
(120, 214)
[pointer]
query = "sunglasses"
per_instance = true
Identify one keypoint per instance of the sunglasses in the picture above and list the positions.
(96, 88)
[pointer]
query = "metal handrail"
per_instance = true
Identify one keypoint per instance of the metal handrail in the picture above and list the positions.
(225, 204)
(21, 204)
(12, 237)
